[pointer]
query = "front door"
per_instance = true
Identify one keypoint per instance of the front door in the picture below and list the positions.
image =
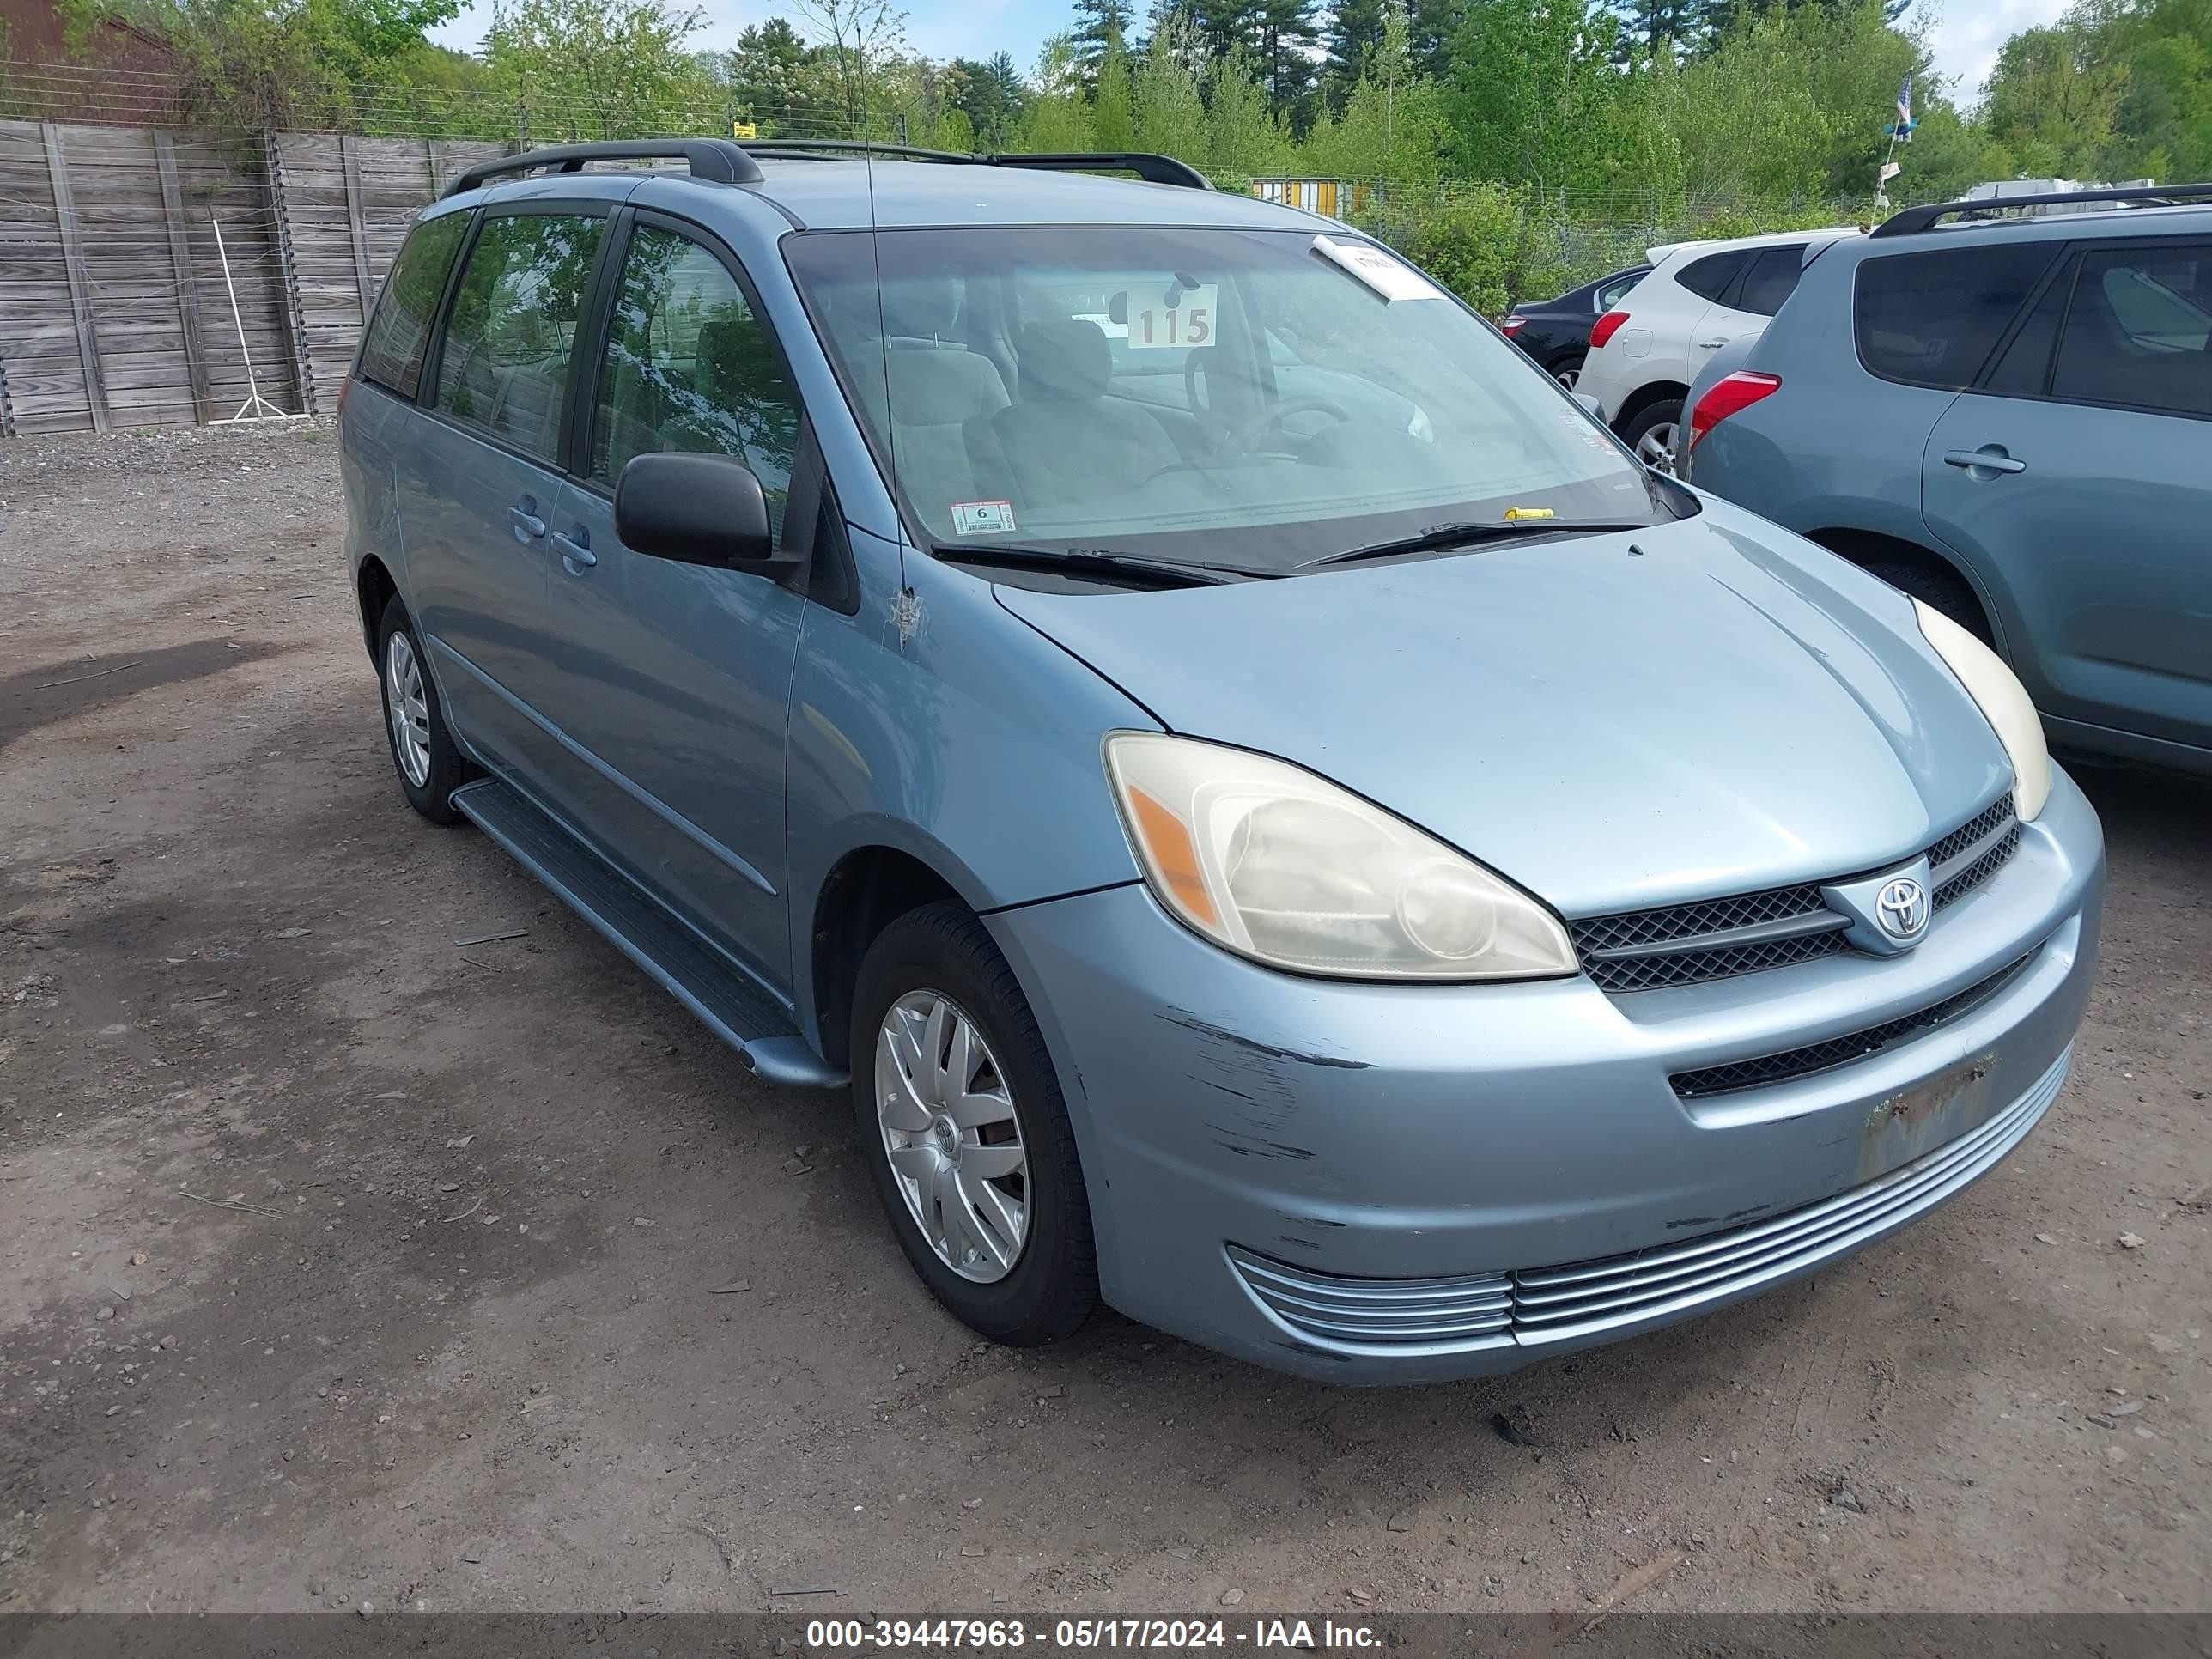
(670, 680)
(483, 474)
(2076, 473)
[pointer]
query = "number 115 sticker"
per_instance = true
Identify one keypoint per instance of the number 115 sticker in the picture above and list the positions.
(1189, 322)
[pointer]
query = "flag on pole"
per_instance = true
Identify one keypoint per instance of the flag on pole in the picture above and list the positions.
(1904, 99)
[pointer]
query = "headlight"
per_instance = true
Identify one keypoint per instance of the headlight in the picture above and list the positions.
(2004, 702)
(1279, 865)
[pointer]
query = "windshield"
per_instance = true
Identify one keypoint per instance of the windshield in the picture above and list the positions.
(1260, 398)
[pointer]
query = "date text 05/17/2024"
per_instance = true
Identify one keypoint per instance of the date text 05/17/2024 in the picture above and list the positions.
(1169, 1635)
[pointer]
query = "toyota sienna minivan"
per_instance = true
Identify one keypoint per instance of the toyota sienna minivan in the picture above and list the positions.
(1279, 822)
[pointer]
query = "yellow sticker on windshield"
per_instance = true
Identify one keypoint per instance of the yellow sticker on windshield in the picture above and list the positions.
(1531, 512)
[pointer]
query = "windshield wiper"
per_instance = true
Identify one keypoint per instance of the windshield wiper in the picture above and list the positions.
(1101, 562)
(1437, 537)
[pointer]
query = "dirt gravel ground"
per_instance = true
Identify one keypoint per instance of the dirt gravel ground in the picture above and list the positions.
(342, 1263)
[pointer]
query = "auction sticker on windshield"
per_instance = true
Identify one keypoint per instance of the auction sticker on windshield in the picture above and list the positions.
(983, 518)
(1184, 317)
(1389, 278)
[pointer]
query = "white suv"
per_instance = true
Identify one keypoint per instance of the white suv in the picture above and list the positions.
(1647, 349)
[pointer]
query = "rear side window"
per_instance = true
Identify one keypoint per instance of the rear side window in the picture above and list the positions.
(1617, 290)
(505, 363)
(2139, 330)
(1931, 319)
(391, 351)
(1772, 279)
(1710, 277)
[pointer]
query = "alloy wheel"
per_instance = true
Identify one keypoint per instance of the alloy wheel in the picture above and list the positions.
(410, 708)
(1655, 448)
(951, 1133)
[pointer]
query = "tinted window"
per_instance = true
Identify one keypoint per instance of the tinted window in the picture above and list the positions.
(1931, 319)
(392, 351)
(1772, 279)
(2023, 369)
(690, 367)
(2139, 330)
(1710, 277)
(506, 356)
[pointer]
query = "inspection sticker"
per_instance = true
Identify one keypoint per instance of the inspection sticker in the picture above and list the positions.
(983, 518)
(1393, 279)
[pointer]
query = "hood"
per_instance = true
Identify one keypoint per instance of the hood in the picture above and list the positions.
(1730, 709)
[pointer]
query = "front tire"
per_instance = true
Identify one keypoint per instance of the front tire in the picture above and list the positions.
(961, 1119)
(424, 752)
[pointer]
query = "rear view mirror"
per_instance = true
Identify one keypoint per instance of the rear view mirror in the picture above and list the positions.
(696, 509)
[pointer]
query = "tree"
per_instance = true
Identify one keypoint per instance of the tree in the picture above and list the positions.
(1353, 37)
(991, 94)
(2054, 97)
(1101, 25)
(598, 68)
(770, 75)
(862, 36)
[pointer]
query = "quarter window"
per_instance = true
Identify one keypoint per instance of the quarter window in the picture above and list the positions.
(1932, 318)
(1712, 277)
(2139, 330)
(688, 365)
(1772, 279)
(504, 360)
(392, 351)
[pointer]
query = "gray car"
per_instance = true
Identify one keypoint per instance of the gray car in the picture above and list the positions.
(2011, 420)
(1326, 853)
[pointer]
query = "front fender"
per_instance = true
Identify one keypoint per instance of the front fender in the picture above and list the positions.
(937, 724)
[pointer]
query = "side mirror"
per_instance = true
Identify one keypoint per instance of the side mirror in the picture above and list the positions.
(696, 509)
(1591, 407)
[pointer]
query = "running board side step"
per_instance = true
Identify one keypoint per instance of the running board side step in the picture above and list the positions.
(742, 1015)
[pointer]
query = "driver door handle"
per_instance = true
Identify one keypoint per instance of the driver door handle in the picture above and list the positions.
(1992, 459)
(527, 524)
(574, 549)
(1712, 345)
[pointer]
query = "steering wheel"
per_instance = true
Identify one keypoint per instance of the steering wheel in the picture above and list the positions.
(1248, 437)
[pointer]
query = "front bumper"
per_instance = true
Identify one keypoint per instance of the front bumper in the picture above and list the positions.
(1376, 1184)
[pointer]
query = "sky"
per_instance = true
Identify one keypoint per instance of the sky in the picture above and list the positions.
(1965, 36)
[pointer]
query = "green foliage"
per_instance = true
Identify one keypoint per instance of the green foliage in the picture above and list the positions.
(598, 68)
(2115, 89)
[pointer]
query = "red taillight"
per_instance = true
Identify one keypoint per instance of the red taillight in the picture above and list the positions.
(1513, 326)
(1606, 327)
(1727, 396)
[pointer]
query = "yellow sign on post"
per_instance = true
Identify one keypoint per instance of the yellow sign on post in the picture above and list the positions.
(745, 129)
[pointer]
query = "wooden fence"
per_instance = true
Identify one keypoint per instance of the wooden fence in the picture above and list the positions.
(114, 310)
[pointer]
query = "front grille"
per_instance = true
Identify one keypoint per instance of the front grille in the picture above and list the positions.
(1538, 1307)
(1720, 939)
(1840, 1051)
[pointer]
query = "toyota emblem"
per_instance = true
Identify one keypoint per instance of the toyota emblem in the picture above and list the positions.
(1901, 910)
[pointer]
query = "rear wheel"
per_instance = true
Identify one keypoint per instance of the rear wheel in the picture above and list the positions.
(961, 1119)
(423, 753)
(1650, 433)
(1568, 370)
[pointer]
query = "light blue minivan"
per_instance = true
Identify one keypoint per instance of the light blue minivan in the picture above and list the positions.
(1279, 821)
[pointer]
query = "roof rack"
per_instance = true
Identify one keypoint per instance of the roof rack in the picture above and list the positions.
(1152, 169)
(1915, 219)
(718, 160)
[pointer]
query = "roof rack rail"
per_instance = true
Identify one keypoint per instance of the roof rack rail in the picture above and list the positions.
(1153, 169)
(720, 160)
(1911, 220)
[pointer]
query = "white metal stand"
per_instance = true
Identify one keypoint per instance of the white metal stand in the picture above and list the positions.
(256, 407)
